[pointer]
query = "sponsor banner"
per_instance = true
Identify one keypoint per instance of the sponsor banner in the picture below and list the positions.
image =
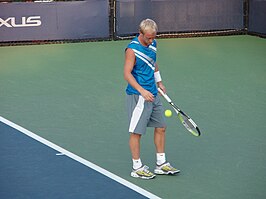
(54, 20)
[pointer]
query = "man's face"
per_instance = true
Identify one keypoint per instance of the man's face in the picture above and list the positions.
(148, 37)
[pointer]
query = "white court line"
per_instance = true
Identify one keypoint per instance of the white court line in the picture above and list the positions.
(81, 160)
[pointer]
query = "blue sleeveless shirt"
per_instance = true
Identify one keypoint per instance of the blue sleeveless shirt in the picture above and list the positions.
(143, 70)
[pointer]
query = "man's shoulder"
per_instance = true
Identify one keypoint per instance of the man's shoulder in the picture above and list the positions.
(133, 43)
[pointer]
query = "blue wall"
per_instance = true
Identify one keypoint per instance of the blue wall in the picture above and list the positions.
(180, 15)
(257, 16)
(54, 20)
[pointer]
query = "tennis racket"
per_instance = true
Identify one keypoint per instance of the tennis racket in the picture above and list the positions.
(187, 122)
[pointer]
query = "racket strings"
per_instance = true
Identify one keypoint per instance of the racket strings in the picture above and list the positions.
(189, 124)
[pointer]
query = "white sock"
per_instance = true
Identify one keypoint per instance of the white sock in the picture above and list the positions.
(160, 158)
(136, 163)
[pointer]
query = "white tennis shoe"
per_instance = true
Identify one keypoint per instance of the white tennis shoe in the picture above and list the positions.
(165, 169)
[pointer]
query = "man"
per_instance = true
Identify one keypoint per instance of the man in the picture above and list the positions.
(144, 106)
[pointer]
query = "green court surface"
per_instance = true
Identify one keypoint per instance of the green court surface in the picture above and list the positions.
(73, 95)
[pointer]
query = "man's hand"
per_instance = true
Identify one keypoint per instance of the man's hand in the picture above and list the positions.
(161, 86)
(148, 96)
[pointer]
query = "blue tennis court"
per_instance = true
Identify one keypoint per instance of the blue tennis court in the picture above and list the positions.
(32, 167)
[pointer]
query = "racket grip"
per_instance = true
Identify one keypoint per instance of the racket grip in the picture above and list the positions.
(165, 96)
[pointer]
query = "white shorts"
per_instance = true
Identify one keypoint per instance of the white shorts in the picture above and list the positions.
(143, 114)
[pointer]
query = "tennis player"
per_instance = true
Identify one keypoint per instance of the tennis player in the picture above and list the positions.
(143, 103)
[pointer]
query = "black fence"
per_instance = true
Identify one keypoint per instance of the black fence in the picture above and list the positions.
(47, 20)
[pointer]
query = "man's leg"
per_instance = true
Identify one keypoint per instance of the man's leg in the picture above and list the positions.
(139, 170)
(134, 145)
(159, 139)
(163, 167)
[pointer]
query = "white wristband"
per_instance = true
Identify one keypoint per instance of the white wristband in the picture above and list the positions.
(157, 76)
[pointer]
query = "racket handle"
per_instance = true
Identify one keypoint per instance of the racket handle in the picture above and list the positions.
(165, 96)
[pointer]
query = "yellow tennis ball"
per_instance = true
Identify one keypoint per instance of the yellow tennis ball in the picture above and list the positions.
(168, 113)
